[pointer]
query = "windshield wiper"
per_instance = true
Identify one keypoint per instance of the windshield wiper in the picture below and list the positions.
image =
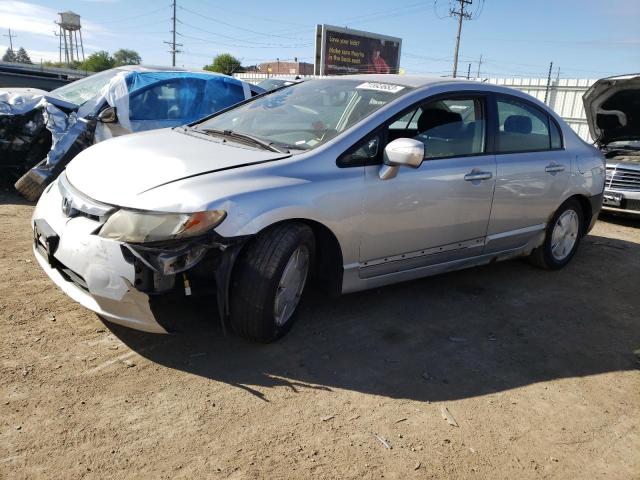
(245, 136)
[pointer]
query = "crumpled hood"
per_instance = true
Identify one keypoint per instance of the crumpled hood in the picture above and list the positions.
(25, 91)
(612, 107)
(18, 101)
(119, 170)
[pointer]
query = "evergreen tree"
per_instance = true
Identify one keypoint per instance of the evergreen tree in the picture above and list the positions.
(22, 56)
(9, 56)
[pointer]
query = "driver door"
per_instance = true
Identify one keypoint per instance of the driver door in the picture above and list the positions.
(440, 211)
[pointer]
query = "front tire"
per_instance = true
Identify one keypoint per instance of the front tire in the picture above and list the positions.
(562, 238)
(268, 281)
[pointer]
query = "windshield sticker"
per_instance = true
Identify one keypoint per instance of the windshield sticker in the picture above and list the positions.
(380, 87)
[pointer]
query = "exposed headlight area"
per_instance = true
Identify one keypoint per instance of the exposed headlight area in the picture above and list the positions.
(162, 245)
(141, 227)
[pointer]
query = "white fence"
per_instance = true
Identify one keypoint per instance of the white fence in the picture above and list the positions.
(254, 77)
(563, 95)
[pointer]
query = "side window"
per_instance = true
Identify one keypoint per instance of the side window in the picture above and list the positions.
(364, 153)
(176, 99)
(448, 128)
(407, 121)
(522, 127)
(218, 95)
(556, 138)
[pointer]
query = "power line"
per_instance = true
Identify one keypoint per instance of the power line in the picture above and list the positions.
(136, 28)
(241, 39)
(235, 26)
(214, 42)
(133, 17)
(259, 17)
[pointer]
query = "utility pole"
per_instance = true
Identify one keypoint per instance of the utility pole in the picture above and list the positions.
(462, 15)
(479, 63)
(173, 43)
(469, 72)
(11, 37)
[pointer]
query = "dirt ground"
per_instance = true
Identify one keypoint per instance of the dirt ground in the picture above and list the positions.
(536, 368)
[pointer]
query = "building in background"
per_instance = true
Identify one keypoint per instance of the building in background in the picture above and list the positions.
(286, 67)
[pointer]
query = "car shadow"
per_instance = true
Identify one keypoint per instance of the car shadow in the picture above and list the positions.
(628, 220)
(9, 196)
(459, 335)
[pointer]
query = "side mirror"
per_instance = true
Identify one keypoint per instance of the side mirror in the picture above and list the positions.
(402, 152)
(108, 115)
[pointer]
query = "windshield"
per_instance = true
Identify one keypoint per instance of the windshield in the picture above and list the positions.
(272, 83)
(308, 114)
(82, 90)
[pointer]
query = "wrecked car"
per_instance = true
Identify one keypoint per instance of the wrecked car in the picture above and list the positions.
(46, 130)
(612, 107)
(349, 183)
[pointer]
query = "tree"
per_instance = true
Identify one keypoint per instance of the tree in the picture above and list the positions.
(98, 61)
(9, 56)
(75, 65)
(224, 63)
(126, 57)
(22, 56)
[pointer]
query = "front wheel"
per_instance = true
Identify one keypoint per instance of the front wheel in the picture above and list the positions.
(268, 281)
(562, 237)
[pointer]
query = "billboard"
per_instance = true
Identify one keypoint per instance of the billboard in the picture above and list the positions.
(343, 51)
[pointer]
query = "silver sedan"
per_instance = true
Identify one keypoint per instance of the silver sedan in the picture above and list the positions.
(348, 183)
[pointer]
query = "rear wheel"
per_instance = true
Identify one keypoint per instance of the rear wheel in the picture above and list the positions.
(562, 237)
(268, 281)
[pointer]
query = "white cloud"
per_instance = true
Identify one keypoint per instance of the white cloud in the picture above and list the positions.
(28, 17)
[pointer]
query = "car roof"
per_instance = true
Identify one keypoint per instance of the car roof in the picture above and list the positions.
(414, 81)
(154, 68)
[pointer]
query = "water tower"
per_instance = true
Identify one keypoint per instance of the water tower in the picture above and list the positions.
(70, 28)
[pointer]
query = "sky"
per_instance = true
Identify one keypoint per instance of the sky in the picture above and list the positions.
(583, 38)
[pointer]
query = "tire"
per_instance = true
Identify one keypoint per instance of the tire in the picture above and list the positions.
(29, 187)
(258, 279)
(545, 256)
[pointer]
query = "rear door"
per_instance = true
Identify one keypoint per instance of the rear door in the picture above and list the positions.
(533, 173)
(438, 212)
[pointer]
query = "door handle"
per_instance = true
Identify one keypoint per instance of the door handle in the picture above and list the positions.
(474, 176)
(553, 168)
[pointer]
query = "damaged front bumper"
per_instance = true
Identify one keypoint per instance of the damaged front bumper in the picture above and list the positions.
(129, 284)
